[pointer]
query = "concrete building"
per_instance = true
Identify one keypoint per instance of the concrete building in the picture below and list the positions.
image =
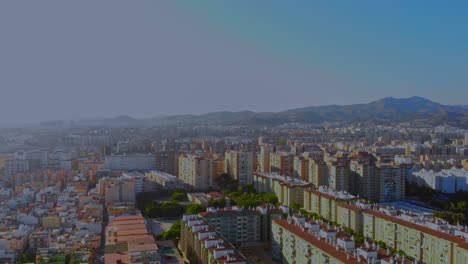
(165, 161)
(137, 178)
(446, 181)
(289, 191)
(143, 162)
(201, 243)
(239, 165)
(301, 167)
(282, 163)
(323, 201)
(426, 240)
(301, 240)
(264, 158)
(390, 183)
(122, 192)
(318, 172)
(165, 180)
(363, 174)
(240, 227)
(199, 171)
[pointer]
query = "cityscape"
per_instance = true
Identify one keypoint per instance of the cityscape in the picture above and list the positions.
(173, 132)
(341, 192)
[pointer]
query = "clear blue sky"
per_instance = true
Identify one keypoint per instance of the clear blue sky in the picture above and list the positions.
(85, 59)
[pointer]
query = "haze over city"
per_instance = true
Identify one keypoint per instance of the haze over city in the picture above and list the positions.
(87, 59)
(233, 132)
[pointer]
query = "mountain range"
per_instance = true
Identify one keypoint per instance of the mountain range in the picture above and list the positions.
(383, 111)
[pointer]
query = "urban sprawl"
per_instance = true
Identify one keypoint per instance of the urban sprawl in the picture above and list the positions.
(292, 194)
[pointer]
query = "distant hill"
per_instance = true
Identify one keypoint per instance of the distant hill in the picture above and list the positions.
(386, 110)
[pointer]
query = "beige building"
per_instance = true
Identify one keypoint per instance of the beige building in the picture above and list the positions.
(363, 171)
(339, 175)
(428, 245)
(201, 243)
(289, 191)
(264, 158)
(122, 192)
(301, 168)
(239, 165)
(305, 241)
(318, 172)
(282, 163)
(324, 201)
(198, 171)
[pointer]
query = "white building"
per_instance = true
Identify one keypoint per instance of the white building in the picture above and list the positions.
(137, 178)
(165, 180)
(446, 181)
(131, 162)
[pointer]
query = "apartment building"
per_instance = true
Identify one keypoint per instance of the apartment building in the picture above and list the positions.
(290, 191)
(390, 183)
(199, 171)
(301, 167)
(429, 241)
(122, 192)
(264, 158)
(324, 201)
(318, 172)
(282, 163)
(306, 241)
(130, 162)
(239, 165)
(201, 243)
(240, 227)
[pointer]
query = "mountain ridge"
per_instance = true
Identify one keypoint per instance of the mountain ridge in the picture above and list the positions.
(384, 110)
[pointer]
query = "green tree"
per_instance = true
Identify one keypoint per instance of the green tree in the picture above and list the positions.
(27, 257)
(179, 196)
(218, 203)
(195, 209)
(173, 233)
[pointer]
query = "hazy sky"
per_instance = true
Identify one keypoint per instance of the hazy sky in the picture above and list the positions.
(84, 59)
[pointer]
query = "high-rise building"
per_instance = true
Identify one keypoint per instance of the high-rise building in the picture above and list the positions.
(239, 165)
(339, 174)
(363, 174)
(282, 163)
(318, 172)
(199, 171)
(301, 167)
(390, 183)
(264, 158)
(165, 161)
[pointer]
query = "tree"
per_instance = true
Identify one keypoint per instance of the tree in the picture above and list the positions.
(27, 257)
(270, 198)
(195, 209)
(173, 233)
(218, 203)
(225, 181)
(179, 196)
